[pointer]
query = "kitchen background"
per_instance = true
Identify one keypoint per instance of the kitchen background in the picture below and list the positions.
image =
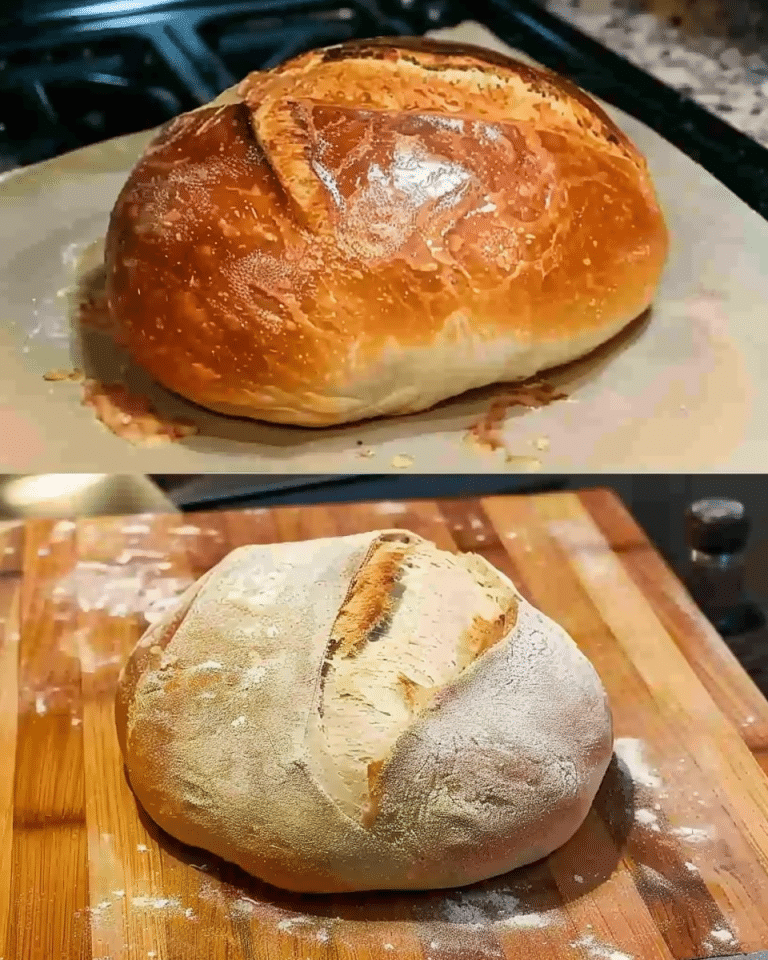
(74, 72)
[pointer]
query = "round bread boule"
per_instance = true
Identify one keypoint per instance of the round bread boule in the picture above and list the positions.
(363, 712)
(371, 228)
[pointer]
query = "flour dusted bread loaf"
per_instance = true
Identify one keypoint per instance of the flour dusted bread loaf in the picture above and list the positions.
(363, 712)
(371, 228)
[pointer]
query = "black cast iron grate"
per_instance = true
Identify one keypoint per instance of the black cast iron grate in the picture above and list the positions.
(72, 74)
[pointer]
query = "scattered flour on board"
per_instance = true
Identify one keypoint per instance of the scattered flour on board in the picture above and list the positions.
(632, 752)
(723, 936)
(693, 834)
(254, 675)
(600, 951)
(156, 903)
(648, 819)
(477, 908)
(135, 586)
(290, 922)
(242, 909)
(389, 508)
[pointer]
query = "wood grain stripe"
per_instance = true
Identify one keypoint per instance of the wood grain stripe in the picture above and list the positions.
(710, 749)
(49, 843)
(715, 665)
(11, 547)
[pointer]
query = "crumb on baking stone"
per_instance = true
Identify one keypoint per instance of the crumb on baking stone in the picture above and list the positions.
(131, 417)
(64, 376)
(365, 454)
(542, 443)
(401, 461)
(525, 464)
(486, 432)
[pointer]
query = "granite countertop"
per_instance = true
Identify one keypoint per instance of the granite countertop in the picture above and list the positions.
(715, 51)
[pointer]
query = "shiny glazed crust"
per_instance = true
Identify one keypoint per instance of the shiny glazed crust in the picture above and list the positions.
(372, 228)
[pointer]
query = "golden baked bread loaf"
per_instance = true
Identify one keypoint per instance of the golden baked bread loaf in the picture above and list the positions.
(363, 712)
(371, 228)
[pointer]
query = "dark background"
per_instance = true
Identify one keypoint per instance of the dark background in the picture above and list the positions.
(658, 502)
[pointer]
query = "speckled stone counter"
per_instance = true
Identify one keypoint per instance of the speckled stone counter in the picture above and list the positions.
(715, 52)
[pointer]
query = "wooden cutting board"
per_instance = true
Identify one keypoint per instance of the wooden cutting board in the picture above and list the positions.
(672, 862)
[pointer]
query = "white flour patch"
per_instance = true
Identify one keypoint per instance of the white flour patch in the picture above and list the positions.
(62, 528)
(238, 722)
(647, 818)
(242, 909)
(600, 951)
(693, 834)
(135, 528)
(142, 847)
(97, 911)
(528, 921)
(723, 936)
(41, 707)
(135, 586)
(155, 903)
(631, 752)
(78, 644)
(475, 909)
(254, 675)
(208, 665)
(290, 922)
(389, 508)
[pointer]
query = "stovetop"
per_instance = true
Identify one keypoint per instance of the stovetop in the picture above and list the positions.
(74, 73)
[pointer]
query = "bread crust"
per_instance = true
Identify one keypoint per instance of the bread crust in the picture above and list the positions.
(411, 758)
(371, 228)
